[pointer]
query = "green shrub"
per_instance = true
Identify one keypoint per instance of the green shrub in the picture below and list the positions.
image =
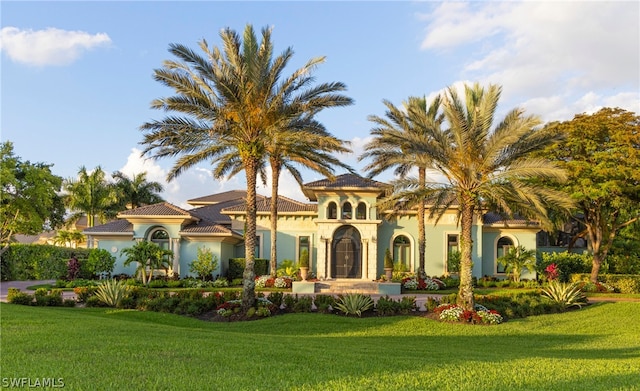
(11, 293)
(111, 292)
(407, 305)
(289, 302)
(276, 298)
(68, 303)
(94, 301)
(37, 261)
(567, 263)
(386, 306)
(100, 262)
(84, 292)
(158, 283)
(21, 298)
(628, 285)
(236, 267)
(323, 303)
(431, 304)
(303, 304)
(354, 304)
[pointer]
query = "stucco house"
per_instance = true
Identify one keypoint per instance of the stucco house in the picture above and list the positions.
(342, 229)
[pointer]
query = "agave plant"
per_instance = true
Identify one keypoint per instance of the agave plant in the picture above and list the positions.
(354, 304)
(567, 295)
(111, 292)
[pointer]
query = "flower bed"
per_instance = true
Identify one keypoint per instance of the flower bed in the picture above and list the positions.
(455, 313)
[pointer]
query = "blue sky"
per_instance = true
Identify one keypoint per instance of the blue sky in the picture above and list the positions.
(77, 76)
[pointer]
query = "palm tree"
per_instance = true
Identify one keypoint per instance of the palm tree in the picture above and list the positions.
(230, 102)
(149, 257)
(90, 194)
(391, 148)
(484, 166)
(305, 142)
(518, 259)
(136, 191)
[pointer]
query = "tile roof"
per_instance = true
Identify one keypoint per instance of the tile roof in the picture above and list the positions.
(161, 209)
(493, 218)
(347, 181)
(285, 205)
(343, 182)
(206, 227)
(118, 226)
(237, 195)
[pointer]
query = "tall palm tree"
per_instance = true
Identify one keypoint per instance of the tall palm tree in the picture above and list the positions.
(229, 103)
(391, 147)
(136, 191)
(303, 142)
(484, 166)
(90, 194)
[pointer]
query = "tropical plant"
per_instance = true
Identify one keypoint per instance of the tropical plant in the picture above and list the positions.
(517, 260)
(69, 238)
(601, 153)
(354, 304)
(205, 263)
(481, 167)
(392, 147)
(149, 257)
(92, 195)
(111, 292)
(564, 294)
(230, 104)
(136, 191)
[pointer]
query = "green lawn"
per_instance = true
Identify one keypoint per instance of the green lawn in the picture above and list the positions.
(596, 348)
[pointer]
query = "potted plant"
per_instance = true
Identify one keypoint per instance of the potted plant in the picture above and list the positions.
(388, 265)
(304, 264)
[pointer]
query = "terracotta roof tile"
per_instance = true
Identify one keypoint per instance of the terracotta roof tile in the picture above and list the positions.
(111, 227)
(493, 218)
(347, 181)
(161, 209)
(232, 195)
(285, 205)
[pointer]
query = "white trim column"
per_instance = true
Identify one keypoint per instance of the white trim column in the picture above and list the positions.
(175, 248)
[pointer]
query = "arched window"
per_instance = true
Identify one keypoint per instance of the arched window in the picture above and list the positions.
(347, 211)
(503, 246)
(361, 211)
(332, 211)
(160, 237)
(402, 252)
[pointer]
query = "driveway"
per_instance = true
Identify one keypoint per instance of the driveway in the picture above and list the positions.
(22, 285)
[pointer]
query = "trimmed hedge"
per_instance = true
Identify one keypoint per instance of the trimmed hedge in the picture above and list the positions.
(39, 262)
(623, 283)
(236, 267)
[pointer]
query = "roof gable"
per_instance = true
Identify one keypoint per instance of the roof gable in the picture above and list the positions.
(344, 182)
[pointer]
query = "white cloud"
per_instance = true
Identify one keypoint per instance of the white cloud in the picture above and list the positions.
(578, 55)
(50, 46)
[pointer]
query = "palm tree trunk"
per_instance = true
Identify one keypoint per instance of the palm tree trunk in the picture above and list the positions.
(421, 229)
(249, 275)
(465, 292)
(275, 179)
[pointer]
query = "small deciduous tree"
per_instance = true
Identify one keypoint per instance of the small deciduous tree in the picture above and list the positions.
(205, 263)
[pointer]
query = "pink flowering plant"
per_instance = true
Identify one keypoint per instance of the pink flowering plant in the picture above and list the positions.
(551, 272)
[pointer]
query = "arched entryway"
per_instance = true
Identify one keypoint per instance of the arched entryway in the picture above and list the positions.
(346, 260)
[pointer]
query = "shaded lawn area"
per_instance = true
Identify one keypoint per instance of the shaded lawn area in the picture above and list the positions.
(596, 348)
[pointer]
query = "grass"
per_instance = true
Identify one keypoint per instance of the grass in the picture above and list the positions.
(595, 348)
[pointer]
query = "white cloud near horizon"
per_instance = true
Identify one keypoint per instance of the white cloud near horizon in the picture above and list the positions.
(563, 57)
(50, 46)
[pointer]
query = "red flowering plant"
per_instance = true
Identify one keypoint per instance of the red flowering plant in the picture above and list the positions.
(552, 272)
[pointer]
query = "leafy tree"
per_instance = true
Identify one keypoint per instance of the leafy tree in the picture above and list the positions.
(205, 263)
(29, 200)
(92, 195)
(100, 261)
(69, 238)
(149, 257)
(136, 191)
(482, 166)
(229, 104)
(392, 147)
(517, 260)
(601, 154)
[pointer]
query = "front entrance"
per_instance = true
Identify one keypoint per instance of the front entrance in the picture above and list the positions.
(346, 260)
